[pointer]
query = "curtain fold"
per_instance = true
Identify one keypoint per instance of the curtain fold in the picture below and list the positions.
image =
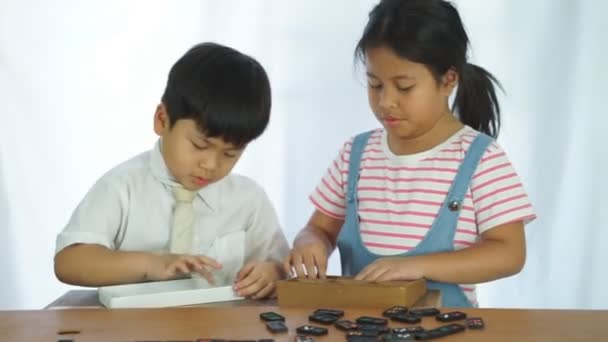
(79, 83)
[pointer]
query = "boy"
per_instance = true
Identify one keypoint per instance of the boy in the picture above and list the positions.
(176, 209)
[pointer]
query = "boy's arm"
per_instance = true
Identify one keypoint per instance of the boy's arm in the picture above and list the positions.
(96, 265)
(265, 238)
(265, 248)
(85, 248)
(86, 251)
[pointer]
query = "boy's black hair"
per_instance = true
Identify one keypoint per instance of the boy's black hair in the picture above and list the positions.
(226, 92)
(430, 32)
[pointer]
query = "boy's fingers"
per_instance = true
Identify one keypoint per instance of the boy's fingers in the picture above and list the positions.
(171, 271)
(210, 261)
(265, 291)
(194, 264)
(251, 279)
(207, 275)
(182, 266)
(251, 289)
(243, 272)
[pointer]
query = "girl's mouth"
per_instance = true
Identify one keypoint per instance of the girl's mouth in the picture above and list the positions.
(390, 121)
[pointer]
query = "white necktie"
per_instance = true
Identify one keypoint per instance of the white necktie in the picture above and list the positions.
(183, 221)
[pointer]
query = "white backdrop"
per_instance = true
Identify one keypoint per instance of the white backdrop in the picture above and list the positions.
(79, 82)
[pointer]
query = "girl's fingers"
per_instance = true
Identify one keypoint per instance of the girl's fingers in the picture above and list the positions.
(309, 263)
(298, 266)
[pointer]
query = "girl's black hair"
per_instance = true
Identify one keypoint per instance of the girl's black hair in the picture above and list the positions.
(430, 32)
(225, 92)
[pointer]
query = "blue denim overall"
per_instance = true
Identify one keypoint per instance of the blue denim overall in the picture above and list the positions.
(440, 238)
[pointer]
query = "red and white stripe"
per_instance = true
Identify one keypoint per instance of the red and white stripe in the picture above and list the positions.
(400, 196)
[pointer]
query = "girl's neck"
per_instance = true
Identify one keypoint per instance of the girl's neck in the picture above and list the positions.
(441, 131)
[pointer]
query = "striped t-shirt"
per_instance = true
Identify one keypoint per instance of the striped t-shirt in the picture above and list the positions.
(400, 196)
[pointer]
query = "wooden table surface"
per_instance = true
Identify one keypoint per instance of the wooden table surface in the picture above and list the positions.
(187, 324)
(89, 299)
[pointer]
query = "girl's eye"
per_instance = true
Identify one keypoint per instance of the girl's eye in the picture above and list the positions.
(374, 86)
(230, 155)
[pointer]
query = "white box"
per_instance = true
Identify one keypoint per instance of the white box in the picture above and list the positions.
(164, 294)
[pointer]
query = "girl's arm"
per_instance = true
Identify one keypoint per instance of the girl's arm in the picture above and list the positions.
(313, 245)
(500, 253)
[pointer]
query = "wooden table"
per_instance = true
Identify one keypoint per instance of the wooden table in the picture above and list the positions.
(89, 299)
(174, 324)
(80, 299)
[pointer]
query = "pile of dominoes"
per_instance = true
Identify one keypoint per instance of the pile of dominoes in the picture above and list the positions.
(376, 329)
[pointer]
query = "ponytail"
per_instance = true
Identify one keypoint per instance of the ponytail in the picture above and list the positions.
(476, 103)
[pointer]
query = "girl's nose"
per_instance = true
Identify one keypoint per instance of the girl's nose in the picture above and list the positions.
(387, 100)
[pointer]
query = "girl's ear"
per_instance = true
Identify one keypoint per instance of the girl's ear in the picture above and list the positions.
(161, 120)
(449, 81)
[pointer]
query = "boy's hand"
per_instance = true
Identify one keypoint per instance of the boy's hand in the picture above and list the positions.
(171, 266)
(307, 260)
(257, 279)
(392, 268)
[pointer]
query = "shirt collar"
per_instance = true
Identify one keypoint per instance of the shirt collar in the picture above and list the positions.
(209, 194)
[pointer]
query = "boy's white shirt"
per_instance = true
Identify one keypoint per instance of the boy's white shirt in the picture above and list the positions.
(130, 208)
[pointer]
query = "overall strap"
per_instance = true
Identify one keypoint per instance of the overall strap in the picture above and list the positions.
(467, 168)
(354, 163)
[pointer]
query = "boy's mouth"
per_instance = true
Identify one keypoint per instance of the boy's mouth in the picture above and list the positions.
(201, 181)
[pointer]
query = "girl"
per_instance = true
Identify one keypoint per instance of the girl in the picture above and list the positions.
(431, 194)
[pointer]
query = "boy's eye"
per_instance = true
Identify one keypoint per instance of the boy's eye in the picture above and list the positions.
(230, 155)
(404, 89)
(198, 147)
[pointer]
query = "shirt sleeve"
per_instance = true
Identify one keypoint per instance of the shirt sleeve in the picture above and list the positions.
(330, 194)
(498, 193)
(96, 220)
(265, 240)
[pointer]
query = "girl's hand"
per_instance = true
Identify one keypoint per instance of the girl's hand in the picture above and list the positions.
(392, 268)
(172, 266)
(257, 279)
(307, 260)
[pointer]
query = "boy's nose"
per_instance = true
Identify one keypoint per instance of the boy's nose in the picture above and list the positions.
(209, 164)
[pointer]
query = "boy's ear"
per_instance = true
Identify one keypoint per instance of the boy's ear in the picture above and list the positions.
(449, 80)
(161, 120)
